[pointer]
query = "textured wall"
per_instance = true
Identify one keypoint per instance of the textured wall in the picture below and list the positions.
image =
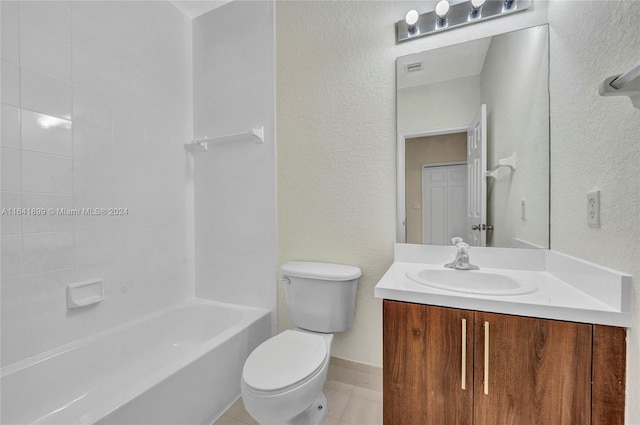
(595, 143)
(335, 114)
(96, 107)
(235, 188)
(336, 133)
(515, 82)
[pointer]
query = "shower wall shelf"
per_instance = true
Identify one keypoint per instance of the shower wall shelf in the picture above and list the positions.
(627, 84)
(85, 293)
(203, 142)
(509, 162)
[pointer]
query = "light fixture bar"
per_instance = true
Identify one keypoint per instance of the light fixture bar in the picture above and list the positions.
(458, 15)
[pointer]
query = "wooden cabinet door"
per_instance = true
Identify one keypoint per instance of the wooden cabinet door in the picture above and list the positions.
(539, 371)
(423, 365)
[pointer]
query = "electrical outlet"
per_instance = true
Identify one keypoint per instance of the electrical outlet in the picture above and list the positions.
(593, 208)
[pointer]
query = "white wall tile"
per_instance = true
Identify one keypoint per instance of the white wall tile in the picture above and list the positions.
(11, 256)
(10, 126)
(104, 271)
(104, 66)
(233, 91)
(45, 94)
(10, 83)
(46, 134)
(88, 222)
(44, 54)
(94, 177)
(9, 31)
(161, 213)
(136, 215)
(46, 173)
(131, 244)
(45, 292)
(129, 178)
(93, 246)
(92, 143)
(92, 70)
(10, 223)
(10, 169)
(43, 252)
(131, 273)
(92, 107)
(92, 33)
(9, 10)
(49, 17)
(52, 329)
(12, 340)
(99, 11)
(53, 221)
(126, 144)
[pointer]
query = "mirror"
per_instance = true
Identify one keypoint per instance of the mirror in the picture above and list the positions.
(473, 142)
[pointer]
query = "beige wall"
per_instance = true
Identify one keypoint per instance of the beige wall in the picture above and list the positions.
(449, 103)
(510, 74)
(595, 144)
(336, 137)
(426, 150)
(336, 142)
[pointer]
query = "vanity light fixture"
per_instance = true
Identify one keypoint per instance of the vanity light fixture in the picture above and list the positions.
(447, 16)
(442, 10)
(476, 5)
(411, 19)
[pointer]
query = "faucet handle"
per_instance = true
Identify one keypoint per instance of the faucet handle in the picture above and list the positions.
(456, 240)
(463, 248)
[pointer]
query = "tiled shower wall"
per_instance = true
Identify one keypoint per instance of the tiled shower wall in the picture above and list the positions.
(96, 107)
(235, 183)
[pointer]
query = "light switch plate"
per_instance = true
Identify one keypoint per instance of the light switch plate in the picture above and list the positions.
(593, 208)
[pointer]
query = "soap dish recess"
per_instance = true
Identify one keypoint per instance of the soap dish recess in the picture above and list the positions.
(82, 294)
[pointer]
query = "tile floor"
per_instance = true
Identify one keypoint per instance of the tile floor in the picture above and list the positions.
(348, 405)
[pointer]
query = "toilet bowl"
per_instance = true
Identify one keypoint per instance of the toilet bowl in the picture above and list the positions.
(282, 378)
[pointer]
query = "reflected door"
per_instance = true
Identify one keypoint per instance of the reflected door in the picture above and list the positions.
(444, 203)
(476, 180)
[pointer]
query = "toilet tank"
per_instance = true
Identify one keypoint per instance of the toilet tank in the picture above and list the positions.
(321, 297)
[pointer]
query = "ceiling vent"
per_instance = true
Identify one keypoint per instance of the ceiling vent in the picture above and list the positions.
(413, 67)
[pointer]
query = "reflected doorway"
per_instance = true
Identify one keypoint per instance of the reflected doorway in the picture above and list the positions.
(444, 202)
(428, 151)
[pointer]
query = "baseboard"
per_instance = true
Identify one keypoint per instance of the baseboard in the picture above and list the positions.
(355, 373)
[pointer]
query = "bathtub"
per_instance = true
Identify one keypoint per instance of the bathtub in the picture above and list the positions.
(181, 365)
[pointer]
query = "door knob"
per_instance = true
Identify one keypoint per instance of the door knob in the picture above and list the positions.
(482, 227)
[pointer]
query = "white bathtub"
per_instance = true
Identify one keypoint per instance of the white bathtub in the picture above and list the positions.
(180, 366)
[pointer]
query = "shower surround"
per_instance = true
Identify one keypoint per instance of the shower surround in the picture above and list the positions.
(99, 99)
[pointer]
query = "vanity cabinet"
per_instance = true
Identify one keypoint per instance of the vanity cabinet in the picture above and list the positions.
(446, 366)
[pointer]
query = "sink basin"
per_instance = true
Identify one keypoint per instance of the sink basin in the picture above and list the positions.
(471, 282)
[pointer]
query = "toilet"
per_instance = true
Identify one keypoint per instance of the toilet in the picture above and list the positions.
(282, 378)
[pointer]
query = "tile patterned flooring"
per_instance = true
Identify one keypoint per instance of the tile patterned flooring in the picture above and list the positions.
(348, 405)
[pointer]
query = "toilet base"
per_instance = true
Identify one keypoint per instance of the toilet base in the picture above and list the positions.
(314, 415)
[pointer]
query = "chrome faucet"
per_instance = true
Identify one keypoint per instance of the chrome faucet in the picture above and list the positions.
(462, 257)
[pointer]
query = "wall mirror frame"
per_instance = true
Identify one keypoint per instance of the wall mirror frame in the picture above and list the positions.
(473, 140)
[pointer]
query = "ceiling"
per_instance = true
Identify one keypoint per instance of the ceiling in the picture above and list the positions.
(195, 8)
(457, 61)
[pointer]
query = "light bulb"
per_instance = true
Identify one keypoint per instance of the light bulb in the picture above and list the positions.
(477, 4)
(442, 8)
(412, 19)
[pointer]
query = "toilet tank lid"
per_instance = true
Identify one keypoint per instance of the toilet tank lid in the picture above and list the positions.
(322, 271)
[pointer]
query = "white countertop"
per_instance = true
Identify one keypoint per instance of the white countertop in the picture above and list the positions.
(568, 288)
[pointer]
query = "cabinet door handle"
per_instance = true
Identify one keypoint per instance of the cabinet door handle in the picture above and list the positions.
(464, 354)
(486, 357)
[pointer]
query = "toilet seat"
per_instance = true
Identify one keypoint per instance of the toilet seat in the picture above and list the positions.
(284, 361)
